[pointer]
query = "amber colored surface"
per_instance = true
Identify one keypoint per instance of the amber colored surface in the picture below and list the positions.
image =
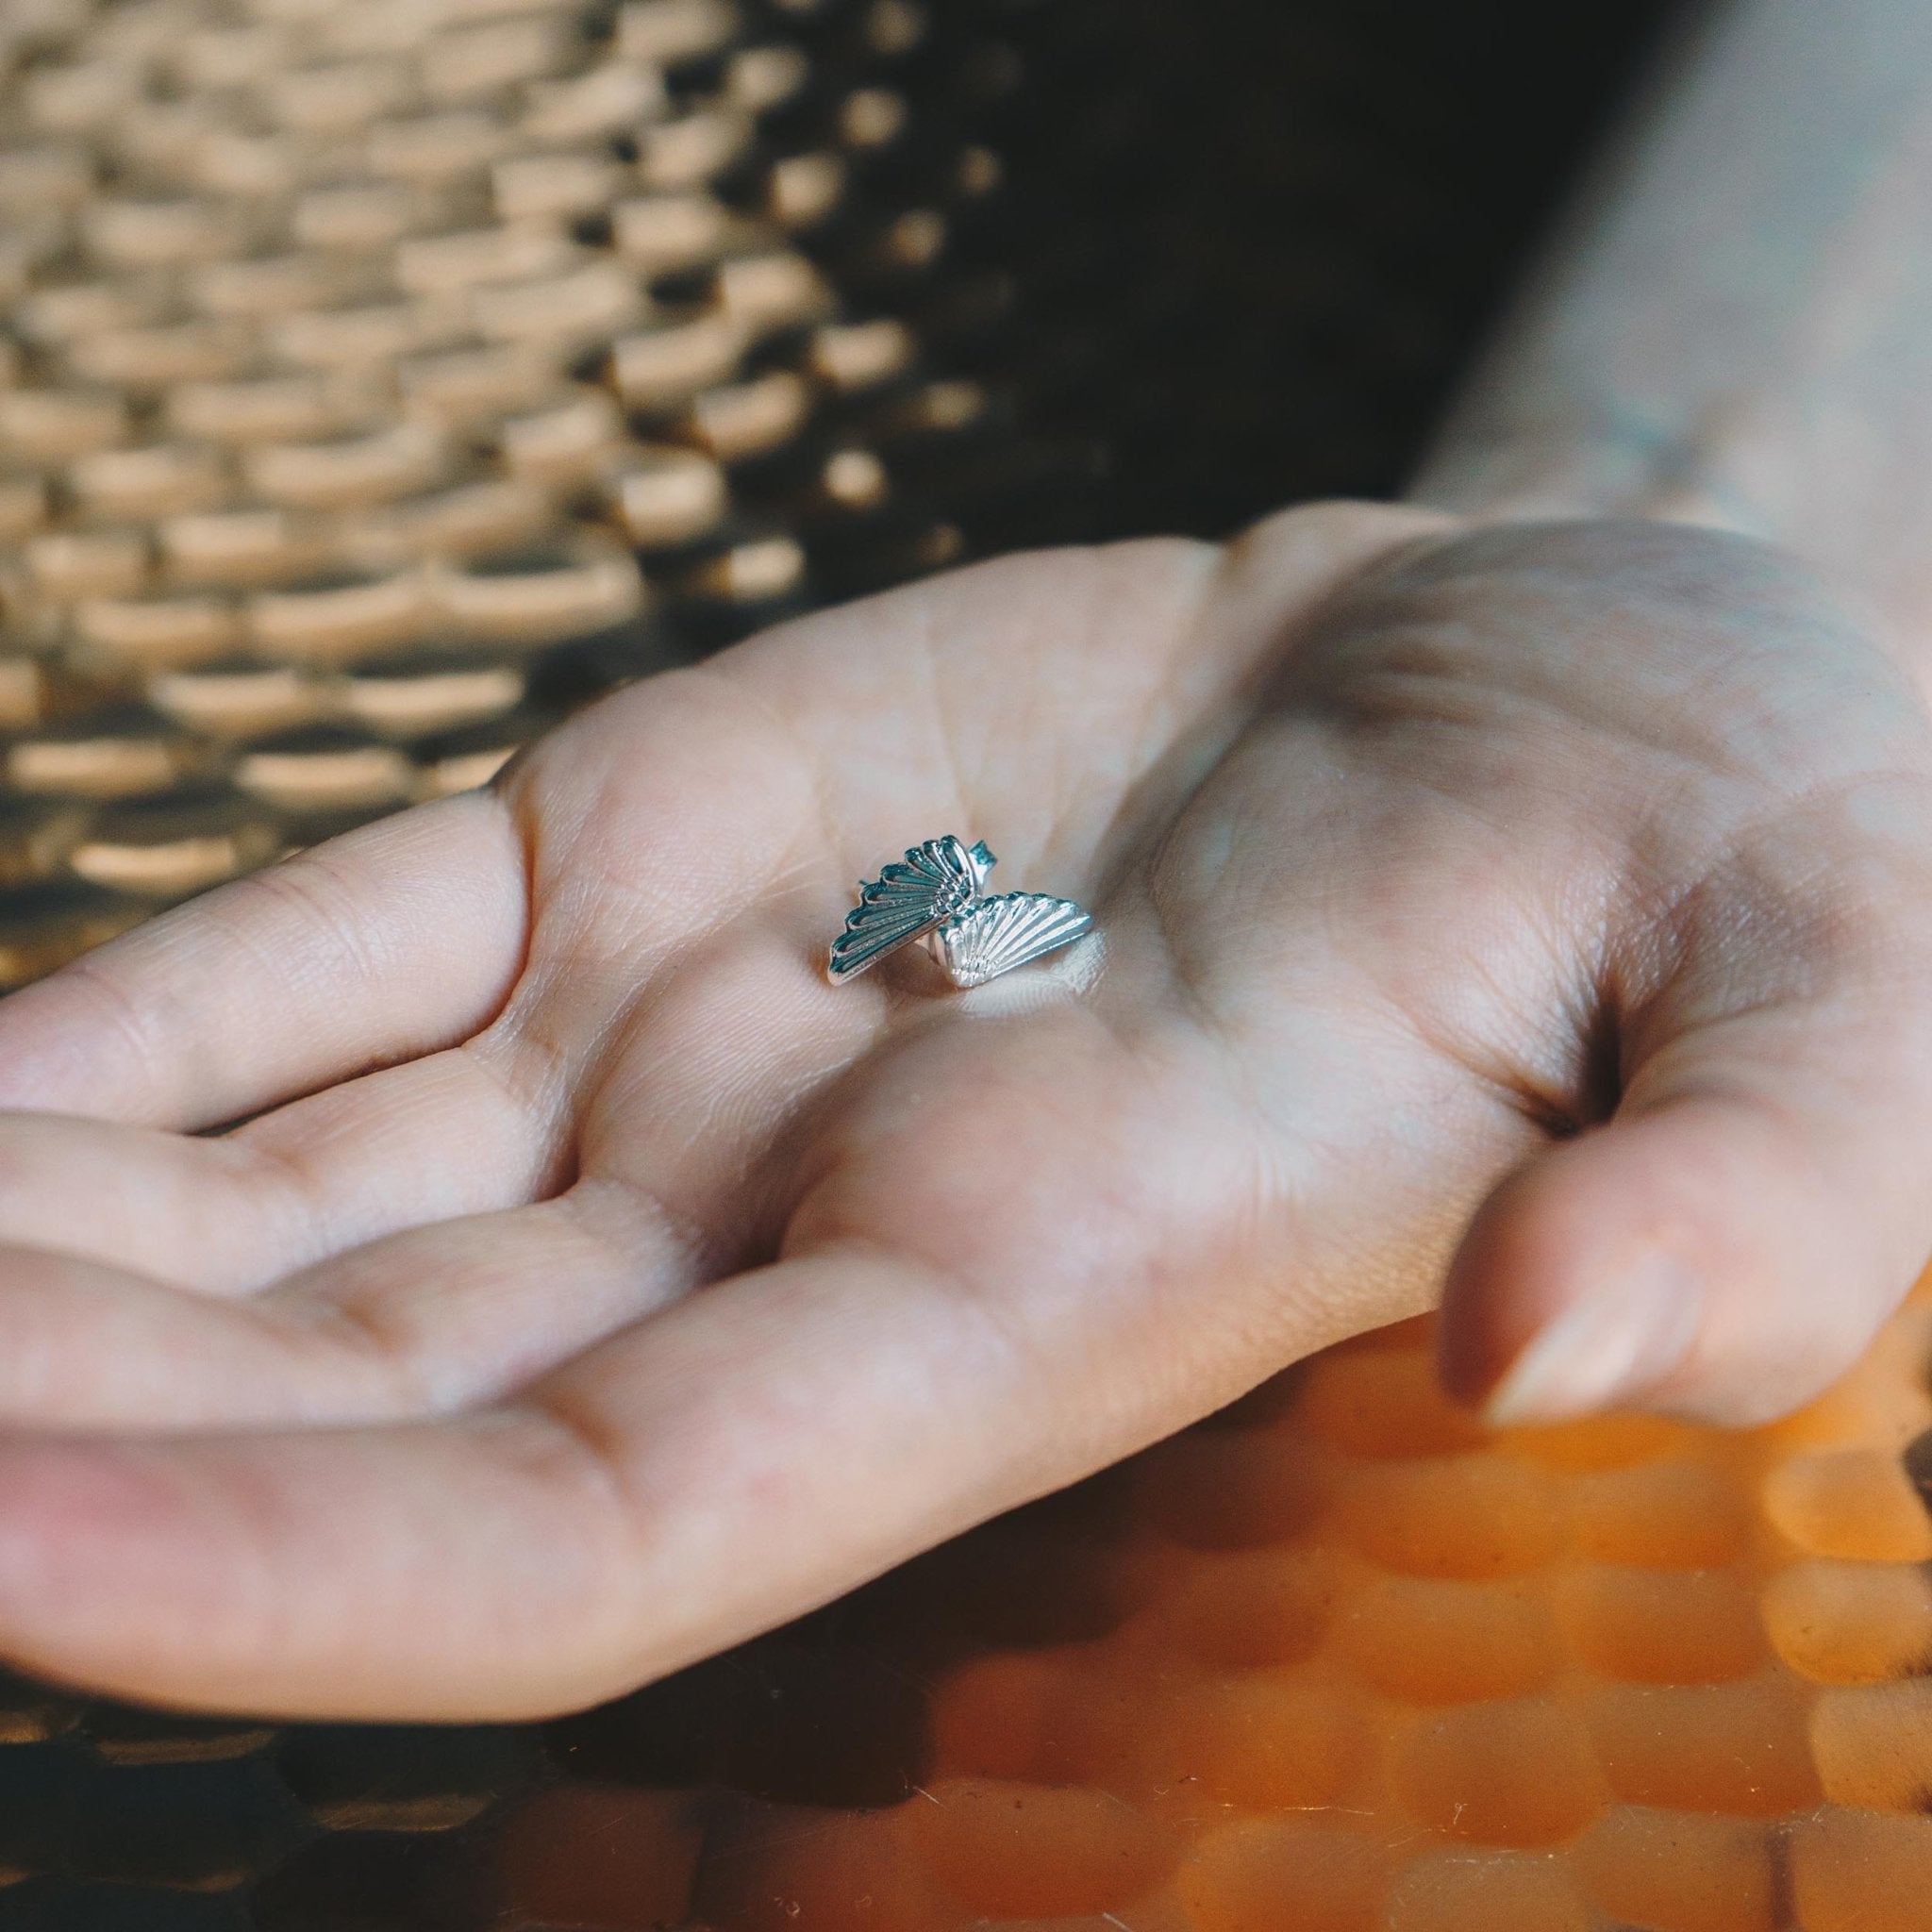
(1856, 1871)
(1337, 1661)
(634, 1854)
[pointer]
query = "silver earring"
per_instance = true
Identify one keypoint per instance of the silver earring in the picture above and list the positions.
(938, 894)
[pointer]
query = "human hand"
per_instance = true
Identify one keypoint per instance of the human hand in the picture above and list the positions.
(595, 1285)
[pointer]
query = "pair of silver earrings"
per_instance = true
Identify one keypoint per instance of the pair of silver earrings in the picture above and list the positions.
(938, 894)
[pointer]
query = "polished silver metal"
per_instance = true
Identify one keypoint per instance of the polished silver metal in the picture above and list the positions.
(906, 901)
(992, 936)
(936, 892)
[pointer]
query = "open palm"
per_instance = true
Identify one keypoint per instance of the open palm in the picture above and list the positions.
(592, 1284)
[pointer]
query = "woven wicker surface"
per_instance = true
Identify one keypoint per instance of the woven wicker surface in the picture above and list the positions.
(387, 377)
(384, 378)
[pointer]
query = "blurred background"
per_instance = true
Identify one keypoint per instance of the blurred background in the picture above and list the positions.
(337, 455)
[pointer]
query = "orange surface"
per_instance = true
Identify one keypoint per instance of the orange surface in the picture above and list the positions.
(1338, 1661)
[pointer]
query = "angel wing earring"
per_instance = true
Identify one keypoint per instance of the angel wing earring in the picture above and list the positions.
(992, 936)
(906, 901)
(937, 893)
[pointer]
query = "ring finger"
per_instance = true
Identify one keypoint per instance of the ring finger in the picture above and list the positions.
(422, 1143)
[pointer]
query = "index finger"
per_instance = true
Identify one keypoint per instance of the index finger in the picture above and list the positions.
(393, 941)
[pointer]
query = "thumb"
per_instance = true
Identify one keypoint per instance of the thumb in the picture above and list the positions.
(1728, 1241)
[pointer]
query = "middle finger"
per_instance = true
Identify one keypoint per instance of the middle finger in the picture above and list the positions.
(225, 1216)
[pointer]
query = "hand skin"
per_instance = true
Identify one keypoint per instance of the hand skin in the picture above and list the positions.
(1730, 328)
(1544, 908)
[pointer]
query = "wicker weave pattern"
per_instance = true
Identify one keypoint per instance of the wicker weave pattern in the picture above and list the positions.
(365, 355)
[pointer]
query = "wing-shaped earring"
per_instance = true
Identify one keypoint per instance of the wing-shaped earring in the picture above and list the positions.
(992, 936)
(906, 901)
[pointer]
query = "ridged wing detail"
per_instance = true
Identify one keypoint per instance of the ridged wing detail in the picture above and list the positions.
(908, 899)
(992, 936)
